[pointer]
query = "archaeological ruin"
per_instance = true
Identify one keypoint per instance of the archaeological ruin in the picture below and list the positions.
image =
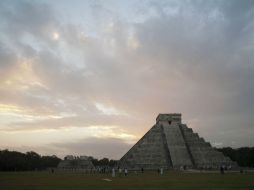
(170, 144)
(71, 162)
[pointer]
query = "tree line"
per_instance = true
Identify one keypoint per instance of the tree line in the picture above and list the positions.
(243, 156)
(103, 162)
(17, 161)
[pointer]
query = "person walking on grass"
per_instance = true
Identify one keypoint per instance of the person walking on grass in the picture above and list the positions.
(120, 172)
(113, 172)
(161, 171)
(125, 171)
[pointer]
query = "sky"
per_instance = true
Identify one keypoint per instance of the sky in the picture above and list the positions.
(90, 77)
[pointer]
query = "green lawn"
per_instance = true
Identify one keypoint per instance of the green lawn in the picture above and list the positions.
(148, 180)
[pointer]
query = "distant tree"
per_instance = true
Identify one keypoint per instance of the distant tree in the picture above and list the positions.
(33, 160)
(112, 163)
(243, 156)
(95, 161)
(104, 162)
(50, 161)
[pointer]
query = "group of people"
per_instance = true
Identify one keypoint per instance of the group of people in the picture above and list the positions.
(224, 168)
(119, 172)
(125, 171)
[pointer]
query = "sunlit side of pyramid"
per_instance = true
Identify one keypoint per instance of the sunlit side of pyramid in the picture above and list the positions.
(171, 144)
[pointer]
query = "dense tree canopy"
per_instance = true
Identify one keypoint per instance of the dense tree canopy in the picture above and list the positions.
(103, 162)
(17, 161)
(243, 156)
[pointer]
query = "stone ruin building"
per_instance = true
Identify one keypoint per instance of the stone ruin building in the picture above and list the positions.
(172, 145)
(76, 163)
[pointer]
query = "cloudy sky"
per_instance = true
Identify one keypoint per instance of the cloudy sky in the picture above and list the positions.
(90, 77)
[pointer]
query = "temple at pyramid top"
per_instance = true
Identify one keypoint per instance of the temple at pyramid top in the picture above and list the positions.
(171, 144)
(173, 117)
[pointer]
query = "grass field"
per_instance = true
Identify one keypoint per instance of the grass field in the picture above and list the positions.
(149, 180)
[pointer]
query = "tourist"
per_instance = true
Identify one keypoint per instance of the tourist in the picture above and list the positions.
(113, 172)
(120, 171)
(222, 170)
(125, 171)
(161, 171)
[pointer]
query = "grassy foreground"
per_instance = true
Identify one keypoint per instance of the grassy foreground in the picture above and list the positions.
(149, 180)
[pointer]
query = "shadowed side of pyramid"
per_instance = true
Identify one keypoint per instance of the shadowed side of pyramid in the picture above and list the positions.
(171, 144)
(149, 152)
(204, 155)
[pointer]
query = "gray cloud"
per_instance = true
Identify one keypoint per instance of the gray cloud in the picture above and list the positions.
(110, 147)
(21, 18)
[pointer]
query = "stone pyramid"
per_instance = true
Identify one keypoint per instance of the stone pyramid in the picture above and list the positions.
(171, 144)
